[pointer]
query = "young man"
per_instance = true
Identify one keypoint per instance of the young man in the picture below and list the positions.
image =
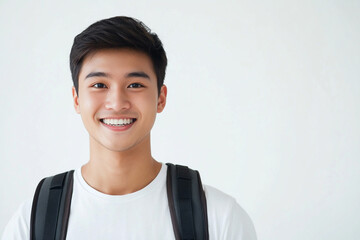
(118, 69)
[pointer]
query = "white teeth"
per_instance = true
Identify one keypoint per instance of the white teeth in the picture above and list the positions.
(118, 121)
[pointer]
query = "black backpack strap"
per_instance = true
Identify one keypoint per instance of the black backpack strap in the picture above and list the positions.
(51, 207)
(187, 203)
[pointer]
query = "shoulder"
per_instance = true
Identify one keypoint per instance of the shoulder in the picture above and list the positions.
(227, 219)
(19, 225)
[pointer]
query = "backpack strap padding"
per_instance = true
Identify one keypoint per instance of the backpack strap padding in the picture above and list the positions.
(187, 203)
(34, 209)
(51, 207)
(63, 219)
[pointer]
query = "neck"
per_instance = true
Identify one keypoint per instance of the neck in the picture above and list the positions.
(119, 173)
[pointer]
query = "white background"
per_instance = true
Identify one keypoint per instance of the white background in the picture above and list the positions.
(263, 99)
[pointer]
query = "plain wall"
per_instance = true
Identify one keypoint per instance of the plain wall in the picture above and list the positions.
(263, 99)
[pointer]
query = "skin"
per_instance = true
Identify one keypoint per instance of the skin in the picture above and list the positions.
(119, 83)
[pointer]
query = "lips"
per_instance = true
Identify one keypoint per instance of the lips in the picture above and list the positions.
(118, 122)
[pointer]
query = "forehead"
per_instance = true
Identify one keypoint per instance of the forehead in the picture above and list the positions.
(117, 62)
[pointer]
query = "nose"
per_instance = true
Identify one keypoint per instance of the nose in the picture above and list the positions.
(117, 100)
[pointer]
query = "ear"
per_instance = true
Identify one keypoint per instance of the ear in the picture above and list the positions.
(162, 99)
(76, 100)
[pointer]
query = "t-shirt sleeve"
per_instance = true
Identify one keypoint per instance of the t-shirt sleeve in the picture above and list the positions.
(18, 226)
(238, 224)
(227, 220)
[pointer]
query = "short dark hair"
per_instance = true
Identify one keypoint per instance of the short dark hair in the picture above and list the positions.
(118, 32)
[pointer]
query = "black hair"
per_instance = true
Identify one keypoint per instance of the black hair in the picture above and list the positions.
(118, 32)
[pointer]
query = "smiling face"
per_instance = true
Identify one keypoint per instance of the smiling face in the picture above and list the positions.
(118, 98)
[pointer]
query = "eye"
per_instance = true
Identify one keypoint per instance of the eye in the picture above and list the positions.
(135, 85)
(99, 85)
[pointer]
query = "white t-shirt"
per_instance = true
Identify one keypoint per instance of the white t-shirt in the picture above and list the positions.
(140, 215)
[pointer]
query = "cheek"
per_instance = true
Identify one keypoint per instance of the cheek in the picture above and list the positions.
(151, 102)
(147, 105)
(89, 102)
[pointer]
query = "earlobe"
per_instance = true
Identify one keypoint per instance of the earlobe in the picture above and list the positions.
(76, 100)
(162, 99)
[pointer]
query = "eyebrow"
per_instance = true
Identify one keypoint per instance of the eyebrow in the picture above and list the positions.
(96, 74)
(131, 74)
(138, 74)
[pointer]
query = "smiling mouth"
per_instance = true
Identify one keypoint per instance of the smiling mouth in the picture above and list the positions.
(117, 122)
